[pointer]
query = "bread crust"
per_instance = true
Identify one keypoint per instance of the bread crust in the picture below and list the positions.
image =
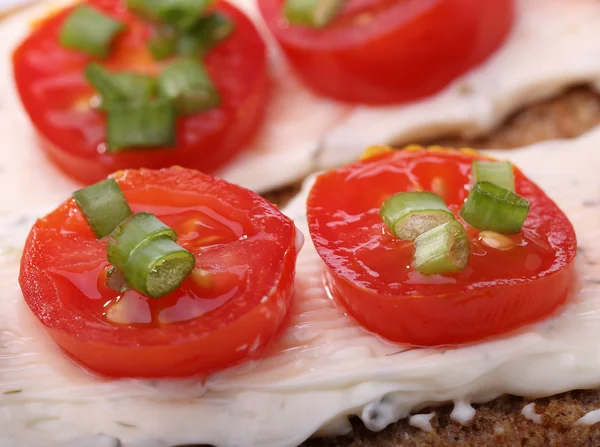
(498, 423)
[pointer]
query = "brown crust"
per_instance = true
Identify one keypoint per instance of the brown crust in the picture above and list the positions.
(567, 116)
(497, 423)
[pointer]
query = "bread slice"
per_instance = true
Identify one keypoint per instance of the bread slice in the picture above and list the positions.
(501, 422)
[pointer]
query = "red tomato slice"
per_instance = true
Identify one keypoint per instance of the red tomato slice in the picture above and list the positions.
(244, 243)
(370, 270)
(56, 96)
(390, 51)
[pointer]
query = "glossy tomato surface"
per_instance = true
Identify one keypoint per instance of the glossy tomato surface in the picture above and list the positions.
(370, 272)
(391, 51)
(56, 96)
(245, 246)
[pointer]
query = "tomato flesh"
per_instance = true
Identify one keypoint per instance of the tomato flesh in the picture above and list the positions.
(245, 247)
(370, 273)
(56, 96)
(390, 51)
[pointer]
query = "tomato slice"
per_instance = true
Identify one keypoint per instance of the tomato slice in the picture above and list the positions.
(243, 243)
(56, 96)
(370, 273)
(390, 51)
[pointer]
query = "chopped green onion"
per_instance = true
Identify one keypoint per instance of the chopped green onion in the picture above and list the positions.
(316, 13)
(182, 14)
(120, 87)
(409, 214)
(104, 83)
(103, 205)
(148, 9)
(207, 33)
(133, 232)
(443, 249)
(163, 45)
(140, 125)
(491, 207)
(89, 30)
(145, 250)
(187, 84)
(499, 173)
(187, 44)
(139, 87)
(158, 267)
(214, 28)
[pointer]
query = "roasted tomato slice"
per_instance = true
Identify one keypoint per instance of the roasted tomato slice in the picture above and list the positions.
(390, 51)
(370, 273)
(55, 94)
(245, 246)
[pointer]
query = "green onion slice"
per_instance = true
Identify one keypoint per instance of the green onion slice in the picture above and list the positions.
(183, 14)
(115, 88)
(90, 31)
(103, 205)
(163, 44)
(213, 28)
(187, 84)
(499, 173)
(443, 249)
(409, 214)
(145, 125)
(205, 35)
(133, 232)
(148, 9)
(158, 267)
(188, 44)
(315, 13)
(491, 207)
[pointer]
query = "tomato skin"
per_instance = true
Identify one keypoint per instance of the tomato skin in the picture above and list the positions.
(369, 270)
(454, 319)
(385, 51)
(236, 330)
(55, 94)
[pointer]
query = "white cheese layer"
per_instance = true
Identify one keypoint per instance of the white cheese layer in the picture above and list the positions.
(7, 5)
(422, 421)
(323, 367)
(554, 44)
(591, 418)
(529, 413)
